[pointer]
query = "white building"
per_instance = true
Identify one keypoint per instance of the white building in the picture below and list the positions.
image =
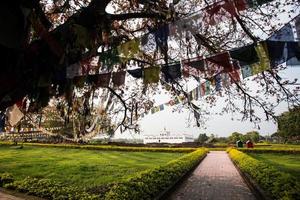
(166, 137)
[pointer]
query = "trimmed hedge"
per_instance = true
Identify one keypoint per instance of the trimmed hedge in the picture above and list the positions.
(277, 184)
(151, 184)
(287, 150)
(45, 188)
(110, 148)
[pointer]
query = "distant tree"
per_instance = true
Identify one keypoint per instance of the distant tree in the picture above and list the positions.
(235, 136)
(289, 124)
(202, 138)
(252, 135)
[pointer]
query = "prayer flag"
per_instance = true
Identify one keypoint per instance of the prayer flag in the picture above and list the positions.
(136, 73)
(151, 75)
(246, 71)
(103, 80)
(285, 34)
(246, 55)
(171, 72)
(14, 115)
(161, 107)
(118, 78)
(129, 49)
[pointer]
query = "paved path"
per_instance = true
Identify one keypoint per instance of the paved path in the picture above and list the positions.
(215, 178)
(4, 196)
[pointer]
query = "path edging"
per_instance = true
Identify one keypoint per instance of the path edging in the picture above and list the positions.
(168, 190)
(258, 192)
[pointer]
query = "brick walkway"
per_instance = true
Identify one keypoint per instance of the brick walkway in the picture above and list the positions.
(215, 178)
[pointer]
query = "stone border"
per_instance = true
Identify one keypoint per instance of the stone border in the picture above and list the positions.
(258, 192)
(164, 195)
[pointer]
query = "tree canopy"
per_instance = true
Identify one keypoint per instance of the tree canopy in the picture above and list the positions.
(289, 124)
(42, 42)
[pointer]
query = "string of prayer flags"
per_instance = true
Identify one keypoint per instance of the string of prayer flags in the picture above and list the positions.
(136, 73)
(118, 78)
(129, 49)
(151, 74)
(171, 72)
(14, 115)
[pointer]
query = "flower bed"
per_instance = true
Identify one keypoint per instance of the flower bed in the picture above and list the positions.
(276, 184)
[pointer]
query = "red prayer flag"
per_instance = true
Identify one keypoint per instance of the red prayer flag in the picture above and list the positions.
(118, 78)
(103, 80)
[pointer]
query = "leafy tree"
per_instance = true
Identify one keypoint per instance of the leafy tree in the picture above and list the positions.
(235, 136)
(252, 136)
(42, 38)
(202, 138)
(289, 124)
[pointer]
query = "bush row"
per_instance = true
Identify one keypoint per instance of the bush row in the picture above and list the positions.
(152, 183)
(111, 148)
(272, 150)
(44, 188)
(276, 184)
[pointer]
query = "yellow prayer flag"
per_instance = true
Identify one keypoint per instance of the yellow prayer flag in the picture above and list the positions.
(151, 74)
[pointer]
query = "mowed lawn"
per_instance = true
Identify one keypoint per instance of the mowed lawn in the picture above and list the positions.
(289, 163)
(76, 166)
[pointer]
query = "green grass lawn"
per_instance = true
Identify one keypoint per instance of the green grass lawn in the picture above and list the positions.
(289, 163)
(76, 166)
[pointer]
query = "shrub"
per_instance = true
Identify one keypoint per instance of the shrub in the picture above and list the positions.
(152, 183)
(286, 150)
(111, 148)
(5, 178)
(277, 184)
(49, 189)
